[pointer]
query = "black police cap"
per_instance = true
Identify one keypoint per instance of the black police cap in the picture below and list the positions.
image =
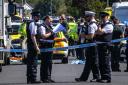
(102, 14)
(35, 13)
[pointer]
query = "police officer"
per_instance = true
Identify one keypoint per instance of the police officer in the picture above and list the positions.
(81, 29)
(118, 32)
(126, 50)
(33, 50)
(46, 57)
(72, 33)
(91, 52)
(104, 35)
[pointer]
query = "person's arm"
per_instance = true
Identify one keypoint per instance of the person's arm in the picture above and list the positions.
(43, 33)
(46, 35)
(122, 35)
(91, 31)
(35, 43)
(123, 32)
(33, 33)
(107, 29)
(100, 31)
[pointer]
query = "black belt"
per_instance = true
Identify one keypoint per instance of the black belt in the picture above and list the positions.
(46, 41)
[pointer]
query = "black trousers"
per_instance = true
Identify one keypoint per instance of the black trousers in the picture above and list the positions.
(80, 52)
(71, 51)
(126, 52)
(91, 64)
(31, 64)
(104, 61)
(46, 62)
(115, 56)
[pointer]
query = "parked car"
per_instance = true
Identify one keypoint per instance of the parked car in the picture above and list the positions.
(61, 54)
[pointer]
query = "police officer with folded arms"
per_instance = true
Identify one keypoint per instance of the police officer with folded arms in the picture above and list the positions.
(46, 41)
(91, 52)
(104, 35)
(33, 49)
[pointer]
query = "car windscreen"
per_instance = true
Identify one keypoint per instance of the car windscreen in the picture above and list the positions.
(14, 29)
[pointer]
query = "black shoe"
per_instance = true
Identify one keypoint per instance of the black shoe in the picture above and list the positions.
(33, 82)
(79, 80)
(104, 81)
(51, 81)
(95, 80)
(126, 70)
(46, 81)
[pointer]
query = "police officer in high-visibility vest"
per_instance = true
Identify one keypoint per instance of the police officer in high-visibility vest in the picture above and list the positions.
(72, 33)
(91, 52)
(46, 41)
(33, 50)
(22, 29)
(104, 34)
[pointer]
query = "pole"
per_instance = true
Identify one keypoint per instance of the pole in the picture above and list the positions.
(107, 3)
(22, 2)
(51, 7)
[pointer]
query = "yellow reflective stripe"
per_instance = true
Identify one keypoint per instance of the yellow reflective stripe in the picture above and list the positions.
(60, 35)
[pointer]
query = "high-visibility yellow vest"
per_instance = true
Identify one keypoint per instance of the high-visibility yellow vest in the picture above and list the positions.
(60, 35)
(72, 31)
(22, 29)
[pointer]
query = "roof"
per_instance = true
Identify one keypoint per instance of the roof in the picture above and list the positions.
(27, 6)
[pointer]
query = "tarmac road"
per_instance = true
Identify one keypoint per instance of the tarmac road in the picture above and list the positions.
(63, 74)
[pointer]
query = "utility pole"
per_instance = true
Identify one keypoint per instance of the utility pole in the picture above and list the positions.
(51, 7)
(107, 3)
(25, 1)
(22, 2)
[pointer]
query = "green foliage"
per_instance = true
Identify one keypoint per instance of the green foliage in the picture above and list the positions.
(97, 6)
(28, 1)
(69, 7)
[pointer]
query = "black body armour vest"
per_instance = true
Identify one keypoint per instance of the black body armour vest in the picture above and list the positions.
(29, 40)
(106, 37)
(49, 29)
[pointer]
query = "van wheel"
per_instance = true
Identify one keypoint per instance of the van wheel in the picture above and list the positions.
(64, 60)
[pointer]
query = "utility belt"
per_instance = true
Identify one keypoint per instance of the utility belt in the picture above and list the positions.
(89, 40)
(46, 43)
(106, 37)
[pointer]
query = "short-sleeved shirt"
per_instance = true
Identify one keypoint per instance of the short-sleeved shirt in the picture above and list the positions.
(33, 28)
(92, 28)
(42, 30)
(108, 28)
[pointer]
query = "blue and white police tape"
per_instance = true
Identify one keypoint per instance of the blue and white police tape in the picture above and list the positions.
(63, 48)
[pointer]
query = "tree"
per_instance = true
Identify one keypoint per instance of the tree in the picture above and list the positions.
(88, 5)
(29, 1)
(69, 7)
(44, 6)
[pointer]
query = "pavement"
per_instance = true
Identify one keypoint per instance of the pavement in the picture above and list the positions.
(63, 74)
